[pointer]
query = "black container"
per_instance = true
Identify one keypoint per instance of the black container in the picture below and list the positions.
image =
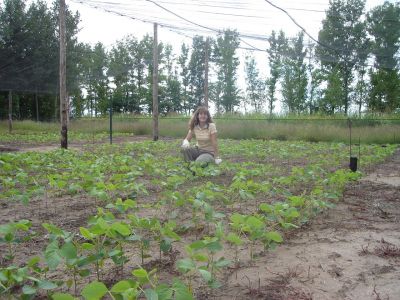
(353, 163)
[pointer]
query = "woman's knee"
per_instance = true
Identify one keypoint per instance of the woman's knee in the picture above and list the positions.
(205, 157)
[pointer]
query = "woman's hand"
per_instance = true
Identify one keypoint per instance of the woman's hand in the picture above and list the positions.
(186, 141)
(185, 144)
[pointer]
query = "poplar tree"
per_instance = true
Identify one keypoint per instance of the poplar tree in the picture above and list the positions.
(197, 72)
(383, 23)
(294, 81)
(342, 43)
(276, 50)
(227, 62)
(254, 84)
(184, 75)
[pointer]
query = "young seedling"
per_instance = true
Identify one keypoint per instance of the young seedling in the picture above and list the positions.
(12, 235)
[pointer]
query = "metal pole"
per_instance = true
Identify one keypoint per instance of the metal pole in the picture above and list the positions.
(111, 114)
(349, 123)
(155, 85)
(63, 82)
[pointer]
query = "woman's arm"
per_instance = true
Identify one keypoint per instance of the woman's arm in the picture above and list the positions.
(189, 136)
(215, 144)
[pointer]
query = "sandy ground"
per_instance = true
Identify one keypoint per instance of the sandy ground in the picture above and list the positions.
(350, 252)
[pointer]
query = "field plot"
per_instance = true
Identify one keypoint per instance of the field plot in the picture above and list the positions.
(133, 220)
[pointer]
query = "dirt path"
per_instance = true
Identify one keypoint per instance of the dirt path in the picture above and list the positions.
(350, 252)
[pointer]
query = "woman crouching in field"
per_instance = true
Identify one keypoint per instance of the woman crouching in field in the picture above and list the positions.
(205, 132)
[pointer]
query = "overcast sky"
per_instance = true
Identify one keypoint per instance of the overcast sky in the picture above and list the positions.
(110, 20)
(107, 21)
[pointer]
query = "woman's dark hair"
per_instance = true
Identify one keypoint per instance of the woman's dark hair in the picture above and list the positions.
(195, 118)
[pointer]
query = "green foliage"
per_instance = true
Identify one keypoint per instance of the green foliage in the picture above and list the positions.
(12, 234)
(294, 85)
(343, 43)
(278, 47)
(249, 201)
(227, 63)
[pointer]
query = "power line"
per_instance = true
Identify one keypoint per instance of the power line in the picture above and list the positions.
(209, 30)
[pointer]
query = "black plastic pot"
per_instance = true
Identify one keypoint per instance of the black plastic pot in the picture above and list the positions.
(353, 163)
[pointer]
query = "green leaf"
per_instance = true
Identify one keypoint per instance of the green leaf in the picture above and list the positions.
(87, 246)
(47, 285)
(165, 245)
(33, 261)
(254, 222)
(121, 228)
(234, 239)
(23, 225)
(266, 207)
(94, 291)
(274, 236)
(237, 218)
(206, 275)
(296, 201)
(9, 237)
(151, 294)
(86, 233)
(28, 290)
(181, 290)
(62, 296)
(222, 262)
(164, 292)
(68, 250)
(214, 246)
(121, 286)
(52, 256)
(200, 257)
(185, 265)
(140, 273)
(197, 245)
(53, 229)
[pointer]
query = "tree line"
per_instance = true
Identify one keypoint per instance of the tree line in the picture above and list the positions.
(353, 63)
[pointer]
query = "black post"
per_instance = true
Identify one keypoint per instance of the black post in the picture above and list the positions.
(353, 159)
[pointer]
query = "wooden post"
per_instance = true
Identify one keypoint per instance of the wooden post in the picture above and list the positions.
(206, 75)
(37, 107)
(155, 85)
(63, 84)
(9, 111)
(111, 115)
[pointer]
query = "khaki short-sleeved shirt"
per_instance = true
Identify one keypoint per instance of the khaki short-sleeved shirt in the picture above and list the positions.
(203, 137)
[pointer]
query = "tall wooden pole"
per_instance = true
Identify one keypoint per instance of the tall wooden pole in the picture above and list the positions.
(37, 106)
(111, 118)
(206, 75)
(63, 81)
(10, 111)
(155, 85)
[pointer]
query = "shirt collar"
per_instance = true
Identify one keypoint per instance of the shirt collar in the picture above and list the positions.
(198, 126)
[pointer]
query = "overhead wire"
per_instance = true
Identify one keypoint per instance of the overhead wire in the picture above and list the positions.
(241, 35)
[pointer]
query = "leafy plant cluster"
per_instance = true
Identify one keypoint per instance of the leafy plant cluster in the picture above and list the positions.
(151, 205)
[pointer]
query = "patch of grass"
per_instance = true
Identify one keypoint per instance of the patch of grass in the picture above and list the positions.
(368, 131)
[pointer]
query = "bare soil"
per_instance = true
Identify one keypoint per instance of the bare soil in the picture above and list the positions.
(351, 251)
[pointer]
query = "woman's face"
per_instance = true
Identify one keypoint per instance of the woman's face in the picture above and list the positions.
(203, 117)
